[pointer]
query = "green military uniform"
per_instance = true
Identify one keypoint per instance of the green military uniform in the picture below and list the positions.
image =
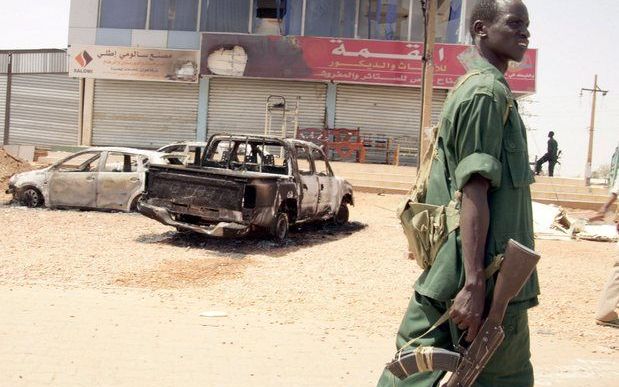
(551, 156)
(474, 140)
(553, 149)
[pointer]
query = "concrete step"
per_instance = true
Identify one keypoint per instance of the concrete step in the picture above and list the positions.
(391, 185)
(560, 196)
(380, 177)
(595, 190)
(380, 190)
(343, 168)
(577, 204)
(560, 181)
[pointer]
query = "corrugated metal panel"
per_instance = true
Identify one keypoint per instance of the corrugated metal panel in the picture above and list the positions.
(385, 110)
(2, 106)
(388, 110)
(144, 114)
(40, 62)
(44, 109)
(4, 63)
(238, 105)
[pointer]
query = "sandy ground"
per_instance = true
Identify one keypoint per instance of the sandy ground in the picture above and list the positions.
(91, 298)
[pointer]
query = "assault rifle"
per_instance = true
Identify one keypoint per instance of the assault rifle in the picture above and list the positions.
(466, 364)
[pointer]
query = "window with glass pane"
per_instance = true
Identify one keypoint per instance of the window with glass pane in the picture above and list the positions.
(129, 14)
(334, 18)
(448, 21)
(277, 17)
(176, 15)
(384, 19)
(225, 16)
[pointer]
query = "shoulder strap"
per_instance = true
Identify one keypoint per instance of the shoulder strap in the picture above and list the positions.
(489, 271)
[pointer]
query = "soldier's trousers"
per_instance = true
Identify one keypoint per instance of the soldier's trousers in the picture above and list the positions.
(551, 164)
(607, 308)
(509, 367)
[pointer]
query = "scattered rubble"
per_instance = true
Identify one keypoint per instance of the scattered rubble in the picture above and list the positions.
(9, 166)
(553, 223)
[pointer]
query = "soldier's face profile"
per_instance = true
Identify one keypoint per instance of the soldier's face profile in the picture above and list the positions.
(508, 35)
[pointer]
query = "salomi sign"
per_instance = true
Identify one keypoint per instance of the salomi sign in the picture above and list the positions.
(133, 63)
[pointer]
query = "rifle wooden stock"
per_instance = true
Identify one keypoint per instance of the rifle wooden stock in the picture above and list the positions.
(516, 268)
(518, 264)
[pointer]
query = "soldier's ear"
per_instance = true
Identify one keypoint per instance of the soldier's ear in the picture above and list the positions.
(480, 30)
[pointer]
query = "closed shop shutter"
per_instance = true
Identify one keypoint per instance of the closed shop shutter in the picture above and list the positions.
(144, 114)
(2, 106)
(389, 110)
(384, 110)
(44, 109)
(238, 105)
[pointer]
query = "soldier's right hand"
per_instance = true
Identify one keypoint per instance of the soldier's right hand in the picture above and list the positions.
(468, 308)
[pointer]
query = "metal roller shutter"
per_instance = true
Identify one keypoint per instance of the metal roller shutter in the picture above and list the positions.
(384, 110)
(44, 109)
(2, 106)
(238, 105)
(388, 110)
(144, 114)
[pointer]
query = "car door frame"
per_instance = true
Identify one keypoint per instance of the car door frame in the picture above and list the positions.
(308, 186)
(72, 183)
(117, 190)
(327, 197)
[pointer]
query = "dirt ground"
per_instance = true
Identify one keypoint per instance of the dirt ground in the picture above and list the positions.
(92, 298)
(9, 166)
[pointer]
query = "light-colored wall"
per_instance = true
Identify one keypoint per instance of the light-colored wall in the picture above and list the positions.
(82, 35)
(152, 39)
(84, 13)
(83, 19)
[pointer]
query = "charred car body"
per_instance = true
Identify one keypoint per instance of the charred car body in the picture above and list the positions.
(107, 178)
(245, 183)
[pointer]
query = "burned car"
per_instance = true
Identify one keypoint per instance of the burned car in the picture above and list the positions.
(183, 152)
(245, 183)
(103, 178)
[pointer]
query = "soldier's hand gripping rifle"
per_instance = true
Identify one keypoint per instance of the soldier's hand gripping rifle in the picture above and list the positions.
(518, 264)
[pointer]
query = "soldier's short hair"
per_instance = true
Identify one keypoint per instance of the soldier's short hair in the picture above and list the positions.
(484, 10)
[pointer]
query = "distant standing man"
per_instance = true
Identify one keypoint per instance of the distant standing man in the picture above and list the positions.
(481, 154)
(551, 156)
(607, 308)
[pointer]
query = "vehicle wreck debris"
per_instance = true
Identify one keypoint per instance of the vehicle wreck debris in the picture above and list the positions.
(96, 178)
(247, 183)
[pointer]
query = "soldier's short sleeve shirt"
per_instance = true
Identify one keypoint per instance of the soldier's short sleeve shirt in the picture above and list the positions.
(480, 135)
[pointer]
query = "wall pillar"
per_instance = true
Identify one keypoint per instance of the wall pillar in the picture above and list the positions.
(330, 108)
(88, 108)
(202, 124)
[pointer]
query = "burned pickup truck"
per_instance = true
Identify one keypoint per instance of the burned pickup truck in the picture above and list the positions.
(246, 183)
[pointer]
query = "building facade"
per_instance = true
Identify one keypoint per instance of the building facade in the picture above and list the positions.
(348, 63)
(39, 103)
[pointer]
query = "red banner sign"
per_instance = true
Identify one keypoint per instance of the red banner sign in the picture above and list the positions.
(346, 60)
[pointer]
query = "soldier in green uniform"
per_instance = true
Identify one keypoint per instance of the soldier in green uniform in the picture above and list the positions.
(551, 156)
(482, 155)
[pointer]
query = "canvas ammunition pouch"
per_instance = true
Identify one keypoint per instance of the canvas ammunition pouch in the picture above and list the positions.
(428, 226)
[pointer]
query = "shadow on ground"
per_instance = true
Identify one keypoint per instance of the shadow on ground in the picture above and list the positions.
(305, 235)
